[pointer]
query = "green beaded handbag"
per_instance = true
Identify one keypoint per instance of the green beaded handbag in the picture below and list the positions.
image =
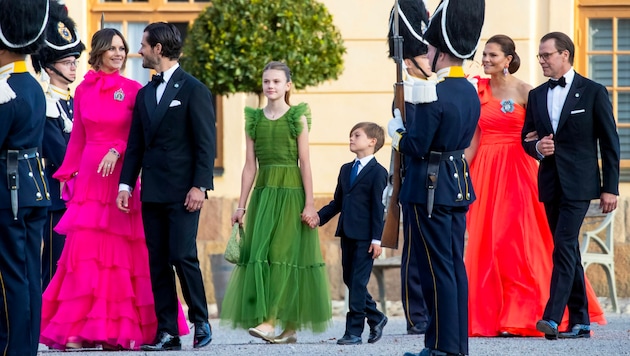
(233, 248)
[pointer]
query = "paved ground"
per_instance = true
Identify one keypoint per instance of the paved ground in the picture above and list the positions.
(610, 339)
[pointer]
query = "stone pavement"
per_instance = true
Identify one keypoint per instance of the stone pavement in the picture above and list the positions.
(610, 339)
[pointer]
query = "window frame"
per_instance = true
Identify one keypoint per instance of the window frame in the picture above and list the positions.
(154, 11)
(607, 9)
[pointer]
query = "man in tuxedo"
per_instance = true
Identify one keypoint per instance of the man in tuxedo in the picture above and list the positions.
(437, 190)
(571, 116)
(172, 140)
(358, 197)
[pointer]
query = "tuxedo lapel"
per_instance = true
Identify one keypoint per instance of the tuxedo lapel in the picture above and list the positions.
(573, 97)
(173, 86)
(543, 110)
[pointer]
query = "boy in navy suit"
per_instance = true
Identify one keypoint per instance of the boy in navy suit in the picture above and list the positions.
(358, 197)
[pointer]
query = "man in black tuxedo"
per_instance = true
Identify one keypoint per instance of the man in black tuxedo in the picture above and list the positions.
(358, 197)
(172, 139)
(570, 115)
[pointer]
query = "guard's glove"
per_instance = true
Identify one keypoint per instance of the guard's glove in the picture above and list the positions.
(396, 128)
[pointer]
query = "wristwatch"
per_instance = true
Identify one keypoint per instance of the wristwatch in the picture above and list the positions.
(203, 189)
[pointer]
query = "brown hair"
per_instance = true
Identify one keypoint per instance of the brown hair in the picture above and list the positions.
(276, 65)
(101, 43)
(563, 43)
(509, 49)
(372, 130)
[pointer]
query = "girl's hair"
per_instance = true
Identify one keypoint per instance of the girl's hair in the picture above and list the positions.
(509, 49)
(101, 43)
(283, 67)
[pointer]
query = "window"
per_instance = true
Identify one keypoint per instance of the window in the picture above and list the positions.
(130, 17)
(603, 52)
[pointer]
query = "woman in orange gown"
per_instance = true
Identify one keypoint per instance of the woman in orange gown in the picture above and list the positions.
(508, 257)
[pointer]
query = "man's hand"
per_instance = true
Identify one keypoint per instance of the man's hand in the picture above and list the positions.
(122, 201)
(546, 146)
(608, 202)
(194, 199)
(375, 250)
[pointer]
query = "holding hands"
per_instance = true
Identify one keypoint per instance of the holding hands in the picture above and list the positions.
(310, 216)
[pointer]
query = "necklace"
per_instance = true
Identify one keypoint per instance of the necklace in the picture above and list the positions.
(271, 115)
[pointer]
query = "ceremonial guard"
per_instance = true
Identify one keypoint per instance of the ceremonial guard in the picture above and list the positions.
(24, 194)
(437, 190)
(57, 63)
(413, 19)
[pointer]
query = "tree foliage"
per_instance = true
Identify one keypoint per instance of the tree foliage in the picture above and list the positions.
(231, 41)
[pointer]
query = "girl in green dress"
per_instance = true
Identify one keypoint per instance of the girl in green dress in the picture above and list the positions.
(280, 279)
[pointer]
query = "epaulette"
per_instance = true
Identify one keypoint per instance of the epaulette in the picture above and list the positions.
(419, 91)
(51, 107)
(6, 92)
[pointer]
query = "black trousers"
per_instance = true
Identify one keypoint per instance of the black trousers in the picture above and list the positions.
(357, 267)
(568, 287)
(442, 273)
(20, 280)
(53, 245)
(411, 288)
(171, 236)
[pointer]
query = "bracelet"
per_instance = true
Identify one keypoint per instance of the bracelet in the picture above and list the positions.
(243, 209)
(114, 152)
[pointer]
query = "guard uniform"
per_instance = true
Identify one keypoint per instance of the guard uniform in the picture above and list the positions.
(62, 42)
(437, 190)
(24, 192)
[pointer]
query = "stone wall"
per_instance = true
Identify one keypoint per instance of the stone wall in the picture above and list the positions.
(214, 231)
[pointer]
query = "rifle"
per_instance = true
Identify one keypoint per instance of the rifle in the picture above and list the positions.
(394, 180)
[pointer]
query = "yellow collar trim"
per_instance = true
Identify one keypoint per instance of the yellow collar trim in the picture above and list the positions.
(14, 67)
(58, 93)
(451, 72)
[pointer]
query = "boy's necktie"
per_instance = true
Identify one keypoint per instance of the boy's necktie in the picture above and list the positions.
(354, 172)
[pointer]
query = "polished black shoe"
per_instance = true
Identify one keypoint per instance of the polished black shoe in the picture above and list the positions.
(576, 332)
(549, 328)
(163, 342)
(418, 329)
(429, 352)
(377, 331)
(203, 335)
(348, 339)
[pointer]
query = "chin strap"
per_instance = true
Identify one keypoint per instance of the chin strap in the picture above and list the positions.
(413, 60)
(51, 67)
(435, 58)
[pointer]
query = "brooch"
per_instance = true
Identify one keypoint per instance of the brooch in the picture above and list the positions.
(507, 105)
(119, 95)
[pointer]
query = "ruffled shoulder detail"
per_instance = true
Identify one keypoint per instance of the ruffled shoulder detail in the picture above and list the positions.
(293, 117)
(484, 90)
(252, 118)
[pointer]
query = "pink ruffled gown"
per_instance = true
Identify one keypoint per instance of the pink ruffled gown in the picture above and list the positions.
(101, 293)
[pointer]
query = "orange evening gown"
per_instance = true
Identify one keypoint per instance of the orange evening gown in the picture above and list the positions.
(508, 257)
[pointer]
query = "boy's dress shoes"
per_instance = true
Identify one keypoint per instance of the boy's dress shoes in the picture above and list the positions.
(348, 339)
(203, 335)
(163, 342)
(549, 328)
(377, 331)
(576, 332)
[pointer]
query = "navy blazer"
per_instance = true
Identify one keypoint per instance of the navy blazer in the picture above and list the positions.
(586, 119)
(360, 204)
(445, 125)
(174, 143)
(54, 150)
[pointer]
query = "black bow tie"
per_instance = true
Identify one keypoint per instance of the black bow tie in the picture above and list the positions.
(157, 79)
(561, 82)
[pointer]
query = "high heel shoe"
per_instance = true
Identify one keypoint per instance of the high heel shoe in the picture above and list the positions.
(288, 339)
(267, 336)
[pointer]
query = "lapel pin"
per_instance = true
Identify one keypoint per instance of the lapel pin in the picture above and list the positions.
(176, 85)
(577, 95)
(119, 95)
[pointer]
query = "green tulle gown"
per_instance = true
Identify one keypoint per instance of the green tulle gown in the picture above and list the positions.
(281, 274)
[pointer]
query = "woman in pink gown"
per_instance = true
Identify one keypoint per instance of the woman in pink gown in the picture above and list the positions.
(508, 256)
(101, 293)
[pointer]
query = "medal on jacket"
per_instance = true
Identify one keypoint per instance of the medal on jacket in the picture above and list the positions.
(119, 95)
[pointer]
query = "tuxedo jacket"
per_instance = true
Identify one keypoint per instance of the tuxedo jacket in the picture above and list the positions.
(445, 125)
(173, 142)
(586, 119)
(360, 203)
